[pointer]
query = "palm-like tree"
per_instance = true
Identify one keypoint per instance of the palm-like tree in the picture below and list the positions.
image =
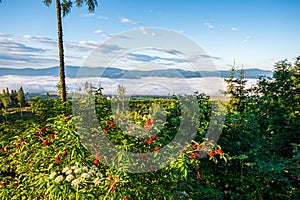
(63, 7)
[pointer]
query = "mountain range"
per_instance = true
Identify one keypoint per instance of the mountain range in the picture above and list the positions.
(115, 73)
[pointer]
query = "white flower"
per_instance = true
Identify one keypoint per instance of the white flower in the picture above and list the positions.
(52, 175)
(77, 170)
(76, 182)
(65, 169)
(99, 175)
(75, 167)
(70, 171)
(185, 194)
(96, 181)
(69, 177)
(92, 171)
(91, 174)
(84, 168)
(58, 179)
(85, 175)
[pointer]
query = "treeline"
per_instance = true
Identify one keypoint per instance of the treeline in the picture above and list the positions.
(262, 135)
(12, 99)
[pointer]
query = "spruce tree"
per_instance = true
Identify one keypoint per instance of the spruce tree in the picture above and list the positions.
(236, 88)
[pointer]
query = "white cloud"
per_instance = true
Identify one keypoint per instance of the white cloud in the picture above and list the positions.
(16, 53)
(143, 31)
(107, 35)
(102, 17)
(246, 39)
(208, 25)
(88, 45)
(143, 86)
(98, 31)
(103, 33)
(6, 35)
(40, 39)
(87, 15)
(234, 29)
(128, 21)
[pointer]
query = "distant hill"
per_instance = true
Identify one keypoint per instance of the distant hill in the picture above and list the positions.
(72, 72)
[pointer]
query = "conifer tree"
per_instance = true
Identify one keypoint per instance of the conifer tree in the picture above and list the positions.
(5, 102)
(21, 99)
(236, 88)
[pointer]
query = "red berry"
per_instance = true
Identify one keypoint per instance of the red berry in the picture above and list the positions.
(219, 151)
(156, 148)
(43, 129)
(105, 130)
(2, 184)
(192, 155)
(147, 124)
(52, 136)
(112, 125)
(64, 153)
(57, 159)
(153, 137)
(16, 186)
(96, 162)
(20, 140)
(150, 141)
(126, 198)
(36, 134)
(109, 176)
(145, 142)
(195, 146)
(211, 154)
(18, 146)
(46, 142)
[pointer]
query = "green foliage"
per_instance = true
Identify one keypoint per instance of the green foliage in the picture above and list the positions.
(33, 162)
(263, 137)
(236, 90)
(257, 155)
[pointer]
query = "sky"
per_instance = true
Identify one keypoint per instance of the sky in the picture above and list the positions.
(253, 34)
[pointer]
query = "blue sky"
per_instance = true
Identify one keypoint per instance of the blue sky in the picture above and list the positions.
(253, 33)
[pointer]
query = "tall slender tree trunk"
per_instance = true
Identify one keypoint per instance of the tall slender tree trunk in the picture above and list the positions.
(62, 83)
